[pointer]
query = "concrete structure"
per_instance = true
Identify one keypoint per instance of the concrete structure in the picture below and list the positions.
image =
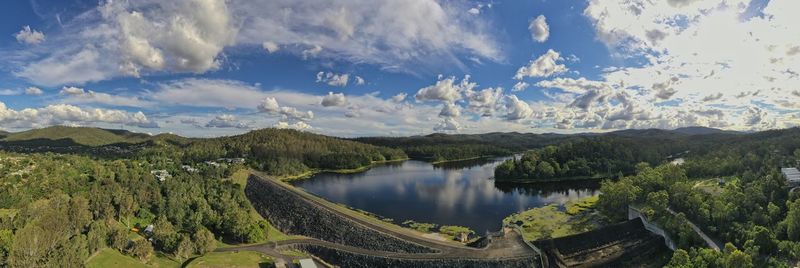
(307, 263)
(792, 176)
(655, 229)
(161, 174)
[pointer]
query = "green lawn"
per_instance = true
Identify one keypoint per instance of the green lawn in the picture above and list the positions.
(241, 259)
(111, 258)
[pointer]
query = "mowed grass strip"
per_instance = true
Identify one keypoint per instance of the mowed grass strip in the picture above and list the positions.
(241, 259)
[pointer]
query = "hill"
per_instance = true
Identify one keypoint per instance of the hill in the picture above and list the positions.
(703, 131)
(3, 134)
(86, 136)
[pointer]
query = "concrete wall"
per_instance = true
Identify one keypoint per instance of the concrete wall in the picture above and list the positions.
(653, 228)
(293, 214)
(349, 259)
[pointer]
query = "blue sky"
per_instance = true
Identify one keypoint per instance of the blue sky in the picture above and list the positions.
(356, 68)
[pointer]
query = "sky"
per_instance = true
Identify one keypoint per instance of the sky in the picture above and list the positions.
(354, 68)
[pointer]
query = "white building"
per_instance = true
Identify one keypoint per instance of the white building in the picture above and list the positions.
(792, 176)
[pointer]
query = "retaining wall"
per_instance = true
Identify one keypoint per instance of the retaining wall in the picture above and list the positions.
(350, 259)
(293, 214)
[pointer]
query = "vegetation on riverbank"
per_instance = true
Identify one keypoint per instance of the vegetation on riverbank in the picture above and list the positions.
(553, 221)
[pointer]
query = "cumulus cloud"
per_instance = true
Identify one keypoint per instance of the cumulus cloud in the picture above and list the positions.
(448, 125)
(450, 110)
(360, 81)
(483, 102)
(270, 47)
(517, 109)
(29, 36)
(445, 90)
(68, 114)
(33, 91)
(270, 106)
(520, 86)
(334, 99)
(227, 121)
(134, 37)
(544, 66)
(298, 126)
(332, 79)
(400, 97)
(540, 31)
(311, 52)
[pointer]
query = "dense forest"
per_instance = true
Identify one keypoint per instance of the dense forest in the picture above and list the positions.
(56, 210)
(747, 205)
(599, 156)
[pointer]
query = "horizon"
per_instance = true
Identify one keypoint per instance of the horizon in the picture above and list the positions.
(365, 69)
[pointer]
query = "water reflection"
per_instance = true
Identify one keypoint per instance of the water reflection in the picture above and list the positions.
(456, 193)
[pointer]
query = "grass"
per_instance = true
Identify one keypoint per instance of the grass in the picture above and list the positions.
(452, 231)
(111, 258)
(241, 259)
(712, 187)
(8, 212)
(420, 226)
(551, 221)
(240, 177)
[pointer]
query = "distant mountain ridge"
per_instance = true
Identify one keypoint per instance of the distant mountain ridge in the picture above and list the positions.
(704, 131)
(87, 136)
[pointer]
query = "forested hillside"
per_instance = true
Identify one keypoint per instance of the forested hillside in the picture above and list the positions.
(285, 152)
(56, 210)
(604, 155)
(78, 135)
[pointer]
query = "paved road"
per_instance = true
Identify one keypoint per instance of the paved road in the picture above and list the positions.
(510, 246)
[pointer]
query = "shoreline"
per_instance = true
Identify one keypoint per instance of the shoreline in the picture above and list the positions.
(312, 172)
(553, 180)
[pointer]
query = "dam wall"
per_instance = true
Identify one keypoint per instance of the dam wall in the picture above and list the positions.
(293, 214)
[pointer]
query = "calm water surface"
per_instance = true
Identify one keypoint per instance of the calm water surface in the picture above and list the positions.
(458, 193)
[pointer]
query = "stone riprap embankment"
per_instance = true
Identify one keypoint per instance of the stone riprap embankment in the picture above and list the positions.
(293, 214)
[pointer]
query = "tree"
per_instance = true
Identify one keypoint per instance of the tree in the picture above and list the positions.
(97, 238)
(616, 196)
(141, 249)
(658, 201)
(763, 238)
(680, 259)
(6, 241)
(204, 241)
(736, 258)
(185, 248)
(118, 239)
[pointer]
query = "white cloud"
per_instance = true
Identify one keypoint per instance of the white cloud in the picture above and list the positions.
(270, 47)
(400, 97)
(79, 95)
(520, 86)
(209, 93)
(448, 125)
(298, 126)
(69, 114)
(9, 92)
(395, 34)
(360, 81)
(450, 110)
(29, 36)
(517, 109)
(332, 79)
(334, 99)
(227, 121)
(311, 52)
(445, 90)
(474, 11)
(540, 31)
(483, 102)
(270, 106)
(544, 66)
(86, 65)
(33, 91)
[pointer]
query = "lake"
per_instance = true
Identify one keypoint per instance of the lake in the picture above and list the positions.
(455, 193)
